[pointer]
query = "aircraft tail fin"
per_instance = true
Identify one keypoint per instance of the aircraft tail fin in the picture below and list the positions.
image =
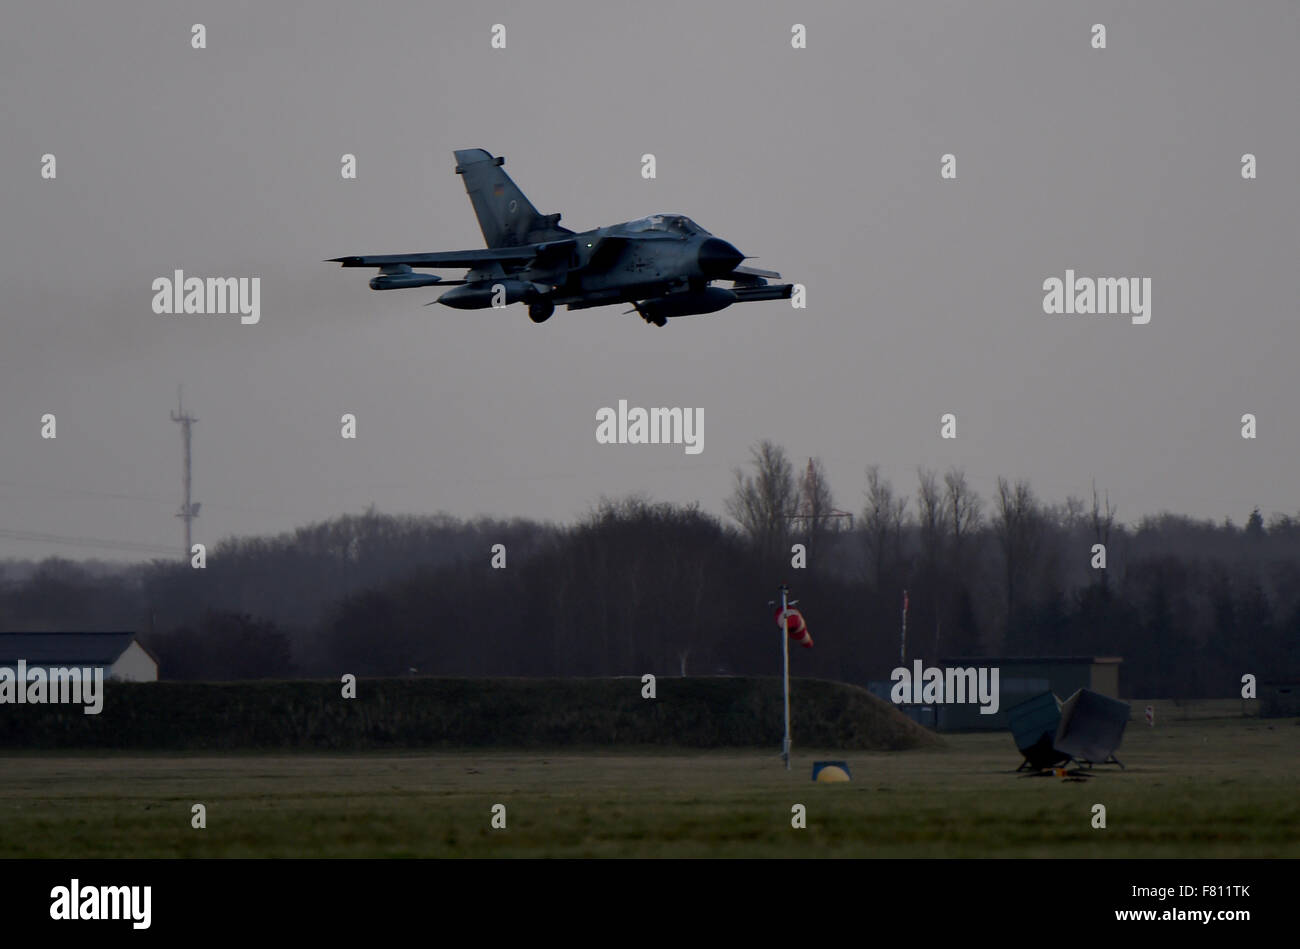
(505, 216)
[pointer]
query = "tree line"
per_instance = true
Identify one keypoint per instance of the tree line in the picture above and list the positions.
(638, 586)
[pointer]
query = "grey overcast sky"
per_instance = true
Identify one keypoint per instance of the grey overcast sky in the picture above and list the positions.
(924, 296)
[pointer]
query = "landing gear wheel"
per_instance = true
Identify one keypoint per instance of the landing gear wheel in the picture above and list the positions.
(541, 311)
(656, 320)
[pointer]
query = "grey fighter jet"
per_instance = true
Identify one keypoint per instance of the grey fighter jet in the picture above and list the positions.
(664, 265)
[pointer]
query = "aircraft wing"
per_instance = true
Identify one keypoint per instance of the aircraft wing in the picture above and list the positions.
(544, 252)
(755, 272)
(744, 278)
(781, 291)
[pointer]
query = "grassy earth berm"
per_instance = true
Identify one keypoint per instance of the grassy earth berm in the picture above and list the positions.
(694, 712)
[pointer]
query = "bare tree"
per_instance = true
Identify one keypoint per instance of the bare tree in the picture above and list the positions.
(963, 506)
(931, 515)
(762, 503)
(815, 513)
(883, 519)
(1103, 520)
(815, 499)
(1017, 526)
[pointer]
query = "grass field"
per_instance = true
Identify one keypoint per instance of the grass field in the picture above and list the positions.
(1195, 788)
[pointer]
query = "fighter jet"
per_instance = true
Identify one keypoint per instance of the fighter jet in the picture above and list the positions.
(664, 265)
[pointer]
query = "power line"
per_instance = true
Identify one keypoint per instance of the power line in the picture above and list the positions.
(127, 545)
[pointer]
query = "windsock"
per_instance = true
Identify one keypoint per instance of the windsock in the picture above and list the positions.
(798, 628)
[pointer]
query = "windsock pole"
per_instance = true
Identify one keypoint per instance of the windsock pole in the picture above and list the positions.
(785, 653)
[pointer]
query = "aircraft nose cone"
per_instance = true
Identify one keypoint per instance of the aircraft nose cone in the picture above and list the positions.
(718, 258)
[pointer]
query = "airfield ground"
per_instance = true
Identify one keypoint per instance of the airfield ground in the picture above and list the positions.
(1223, 787)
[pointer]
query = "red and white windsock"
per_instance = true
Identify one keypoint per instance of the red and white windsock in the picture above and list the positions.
(798, 628)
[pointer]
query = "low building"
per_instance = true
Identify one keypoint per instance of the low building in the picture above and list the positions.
(1019, 678)
(120, 655)
(1022, 677)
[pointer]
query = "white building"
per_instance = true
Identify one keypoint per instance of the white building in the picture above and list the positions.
(120, 655)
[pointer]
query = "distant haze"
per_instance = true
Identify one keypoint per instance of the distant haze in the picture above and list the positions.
(925, 296)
